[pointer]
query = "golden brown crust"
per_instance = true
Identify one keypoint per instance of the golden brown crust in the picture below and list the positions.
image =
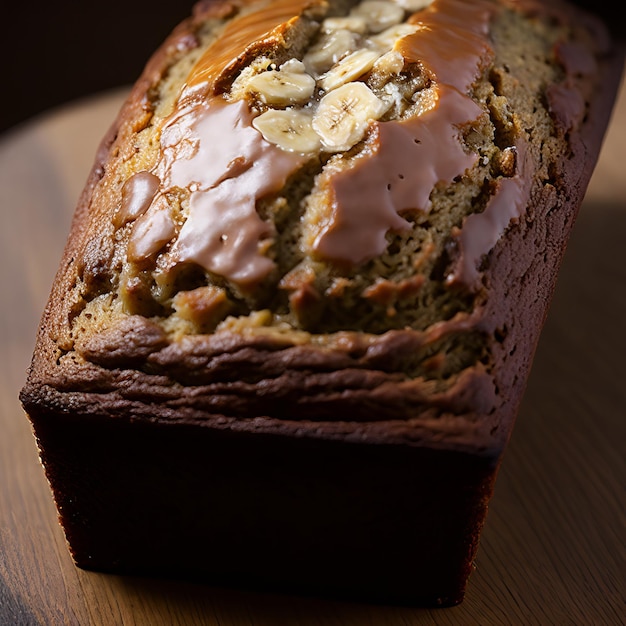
(393, 385)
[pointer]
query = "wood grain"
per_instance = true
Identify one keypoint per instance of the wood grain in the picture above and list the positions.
(553, 549)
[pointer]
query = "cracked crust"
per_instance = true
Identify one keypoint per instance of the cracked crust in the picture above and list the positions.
(449, 352)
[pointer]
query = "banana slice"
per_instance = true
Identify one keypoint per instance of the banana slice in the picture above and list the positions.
(290, 84)
(413, 5)
(343, 116)
(386, 40)
(331, 47)
(289, 129)
(353, 23)
(379, 14)
(348, 69)
(390, 64)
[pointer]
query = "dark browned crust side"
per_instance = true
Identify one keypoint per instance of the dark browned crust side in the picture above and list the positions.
(374, 523)
(151, 472)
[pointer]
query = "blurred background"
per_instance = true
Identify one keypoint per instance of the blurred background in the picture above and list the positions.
(58, 52)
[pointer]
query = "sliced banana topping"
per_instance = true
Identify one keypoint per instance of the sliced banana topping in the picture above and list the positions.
(391, 63)
(289, 84)
(330, 49)
(348, 69)
(386, 39)
(289, 129)
(413, 5)
(323, 103)
(353, 23)
(379, 14)
(344, 114)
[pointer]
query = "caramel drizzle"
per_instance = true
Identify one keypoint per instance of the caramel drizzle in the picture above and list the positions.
(410, 157)
(210, 149)
(239, 35)
(223, 232)
(481, 231)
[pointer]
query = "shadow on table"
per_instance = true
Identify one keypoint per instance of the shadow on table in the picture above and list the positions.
(558, 482)
(553, 541)
(230, 605)
(548, 548)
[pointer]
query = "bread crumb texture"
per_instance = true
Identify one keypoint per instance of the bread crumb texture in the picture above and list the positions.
(328, 176)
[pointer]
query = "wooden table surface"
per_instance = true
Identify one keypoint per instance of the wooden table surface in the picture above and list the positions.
(553, 549)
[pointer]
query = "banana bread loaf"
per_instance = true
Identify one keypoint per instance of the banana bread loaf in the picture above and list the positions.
(298, 305)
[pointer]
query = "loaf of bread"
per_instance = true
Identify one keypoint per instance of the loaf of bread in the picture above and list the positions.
(303, 286)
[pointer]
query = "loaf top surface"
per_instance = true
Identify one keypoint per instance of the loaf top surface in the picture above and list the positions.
(316, 213)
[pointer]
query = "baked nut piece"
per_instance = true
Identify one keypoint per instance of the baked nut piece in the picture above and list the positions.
(302, 290)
